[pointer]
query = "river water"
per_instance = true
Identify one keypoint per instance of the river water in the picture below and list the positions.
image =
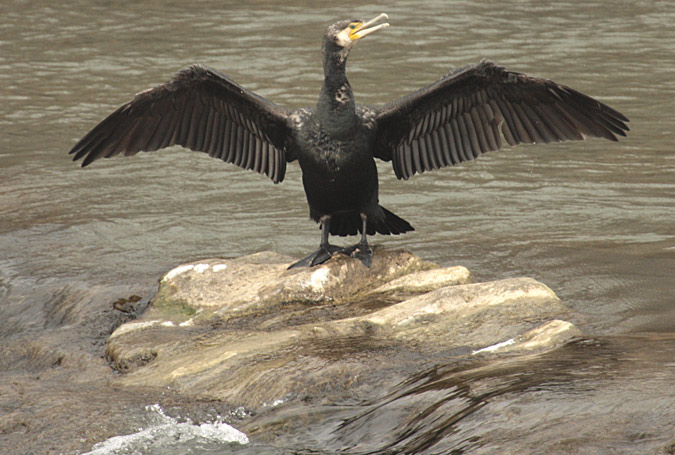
(595, 221)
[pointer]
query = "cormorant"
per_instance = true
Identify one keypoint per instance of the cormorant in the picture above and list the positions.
(455, 119)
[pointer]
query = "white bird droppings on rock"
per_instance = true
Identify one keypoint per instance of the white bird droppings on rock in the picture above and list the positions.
(201, 268)
(317, 280)
(177, 271)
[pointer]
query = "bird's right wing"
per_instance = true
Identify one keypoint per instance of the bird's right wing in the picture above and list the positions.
(200, 109)
(460, 117)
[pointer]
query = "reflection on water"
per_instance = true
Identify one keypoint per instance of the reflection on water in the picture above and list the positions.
(594, 221)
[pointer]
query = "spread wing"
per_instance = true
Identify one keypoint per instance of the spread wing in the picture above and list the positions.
(200, 109)
(460, 116)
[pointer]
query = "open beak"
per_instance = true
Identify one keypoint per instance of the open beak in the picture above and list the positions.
(365, 28)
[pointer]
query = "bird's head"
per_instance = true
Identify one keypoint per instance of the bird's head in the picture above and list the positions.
(345, 33)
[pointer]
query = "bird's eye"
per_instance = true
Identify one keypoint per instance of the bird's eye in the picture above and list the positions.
(352, 27)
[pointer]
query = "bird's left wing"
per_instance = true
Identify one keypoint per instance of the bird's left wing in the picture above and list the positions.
(200, 109)
(460, 117)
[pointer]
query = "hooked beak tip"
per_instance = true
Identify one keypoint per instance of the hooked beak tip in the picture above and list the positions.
(364, 29)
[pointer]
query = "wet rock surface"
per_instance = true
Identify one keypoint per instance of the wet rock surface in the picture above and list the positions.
(249, 332)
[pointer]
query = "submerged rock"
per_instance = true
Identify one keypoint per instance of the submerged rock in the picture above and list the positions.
(250, 332)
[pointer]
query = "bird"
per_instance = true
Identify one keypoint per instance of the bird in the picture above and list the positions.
(467, 112)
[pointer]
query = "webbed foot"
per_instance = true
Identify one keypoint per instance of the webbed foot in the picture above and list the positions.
(360, 251)
(324, 253)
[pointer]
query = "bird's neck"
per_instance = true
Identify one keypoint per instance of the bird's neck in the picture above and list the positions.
(336, 102)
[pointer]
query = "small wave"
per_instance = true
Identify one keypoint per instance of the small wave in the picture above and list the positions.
(166, 433)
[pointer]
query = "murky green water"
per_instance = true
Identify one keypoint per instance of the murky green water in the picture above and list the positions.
(595, 221)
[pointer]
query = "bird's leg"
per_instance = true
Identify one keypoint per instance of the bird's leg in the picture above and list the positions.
(325, 251)
(361, 250)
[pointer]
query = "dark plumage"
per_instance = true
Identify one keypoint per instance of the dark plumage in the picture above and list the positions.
(455, 119)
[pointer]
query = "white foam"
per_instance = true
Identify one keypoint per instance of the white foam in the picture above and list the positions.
(275, 403)
(131, 326)
(219, 267)
(166, 434)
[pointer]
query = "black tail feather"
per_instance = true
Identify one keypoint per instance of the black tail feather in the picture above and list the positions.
(395, 224)
(387, 223)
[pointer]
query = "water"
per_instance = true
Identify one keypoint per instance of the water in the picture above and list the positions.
(593, 220)
(166, 434)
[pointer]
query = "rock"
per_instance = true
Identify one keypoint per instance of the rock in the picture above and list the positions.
(250, 332)
(425, 281)
(262, 281)
(465, 314)
(549, 335)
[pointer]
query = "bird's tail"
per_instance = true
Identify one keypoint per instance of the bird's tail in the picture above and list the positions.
(385, 223)
(391, 224)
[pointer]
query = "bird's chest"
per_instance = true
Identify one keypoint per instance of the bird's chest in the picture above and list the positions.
(338, 171)
(334, 158)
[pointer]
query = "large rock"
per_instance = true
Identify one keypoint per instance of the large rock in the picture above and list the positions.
(250, 332)
(261, 281)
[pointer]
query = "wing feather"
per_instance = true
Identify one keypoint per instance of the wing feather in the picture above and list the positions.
(480, 132)
(200, 109)
(438, 149)
(467, 112)
(457, 141)
(464, 138)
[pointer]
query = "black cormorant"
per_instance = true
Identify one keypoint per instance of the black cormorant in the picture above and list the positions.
(462, 115)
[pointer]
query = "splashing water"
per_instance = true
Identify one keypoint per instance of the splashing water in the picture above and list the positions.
(168, 433)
